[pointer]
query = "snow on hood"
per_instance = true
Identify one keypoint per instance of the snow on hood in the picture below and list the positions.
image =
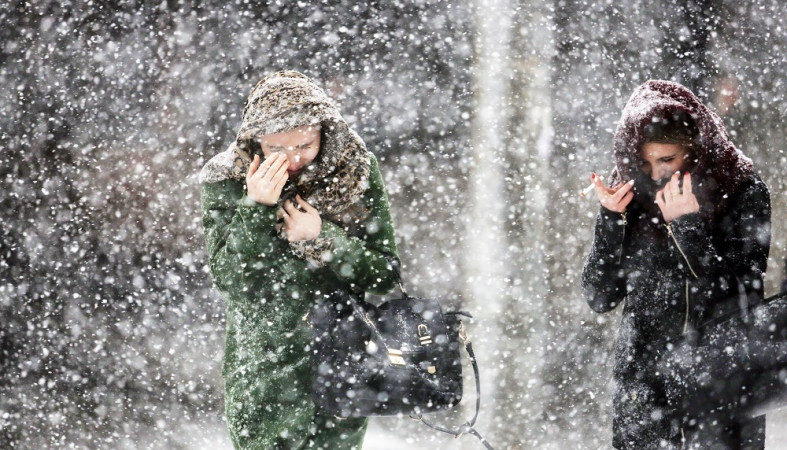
(720, 166)
(286, 100)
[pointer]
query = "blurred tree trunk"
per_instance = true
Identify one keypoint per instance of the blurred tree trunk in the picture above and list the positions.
(508, 229)
(485, 240)
(528, 214)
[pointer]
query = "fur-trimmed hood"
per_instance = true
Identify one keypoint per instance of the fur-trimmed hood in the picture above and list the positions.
(719, 167)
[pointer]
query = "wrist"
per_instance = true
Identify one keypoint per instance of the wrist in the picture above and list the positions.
(249, 203)
(262, 201)
(314, 233)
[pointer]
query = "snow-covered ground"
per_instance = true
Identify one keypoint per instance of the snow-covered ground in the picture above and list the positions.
(379, 438)
(776, 430)
(389, 434)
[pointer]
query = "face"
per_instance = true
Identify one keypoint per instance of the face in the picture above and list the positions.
(301, 145)
(663, 160)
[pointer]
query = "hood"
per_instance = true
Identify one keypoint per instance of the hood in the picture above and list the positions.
(285, 100)
(719, 168)
(282, 101)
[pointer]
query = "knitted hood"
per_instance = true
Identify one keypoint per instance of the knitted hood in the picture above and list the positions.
(285, 100)
(719, 168)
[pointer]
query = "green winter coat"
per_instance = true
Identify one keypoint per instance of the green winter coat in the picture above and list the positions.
(269, 292)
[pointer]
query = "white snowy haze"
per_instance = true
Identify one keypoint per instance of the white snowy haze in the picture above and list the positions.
(488, 118)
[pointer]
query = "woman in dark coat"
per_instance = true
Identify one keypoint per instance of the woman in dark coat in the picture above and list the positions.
(682, 236)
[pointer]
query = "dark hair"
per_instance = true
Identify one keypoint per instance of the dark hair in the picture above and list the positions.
(676, 128)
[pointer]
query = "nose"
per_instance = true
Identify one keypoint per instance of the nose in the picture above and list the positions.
(656, 174)
(294, 158)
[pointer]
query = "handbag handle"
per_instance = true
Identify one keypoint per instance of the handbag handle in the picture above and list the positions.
(394, 262)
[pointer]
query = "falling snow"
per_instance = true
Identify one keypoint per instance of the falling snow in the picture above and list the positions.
(487, 118)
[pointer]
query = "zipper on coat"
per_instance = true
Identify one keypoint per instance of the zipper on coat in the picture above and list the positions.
(686, 321)
(688, 302)
(669, 231)
(623, 237)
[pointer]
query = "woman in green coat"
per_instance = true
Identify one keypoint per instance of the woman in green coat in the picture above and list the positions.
(294, 210)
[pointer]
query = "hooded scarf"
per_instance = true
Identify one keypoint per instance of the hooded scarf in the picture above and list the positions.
(719, 167)
(337, 177)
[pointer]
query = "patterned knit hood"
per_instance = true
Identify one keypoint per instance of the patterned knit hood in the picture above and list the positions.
(286, 100)
(719, 167)
(338, 176)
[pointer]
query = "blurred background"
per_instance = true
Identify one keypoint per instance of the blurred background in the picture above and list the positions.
(487, 117)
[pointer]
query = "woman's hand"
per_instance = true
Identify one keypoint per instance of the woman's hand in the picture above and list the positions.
(675, 202)
(301, 223)
(265, 181)
(616, 198)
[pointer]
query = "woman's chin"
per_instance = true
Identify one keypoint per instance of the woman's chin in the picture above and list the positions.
(649, 187)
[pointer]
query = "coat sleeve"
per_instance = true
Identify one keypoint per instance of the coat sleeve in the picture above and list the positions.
(240, 236)
(735, 261)
(603, 278)
(365, 261)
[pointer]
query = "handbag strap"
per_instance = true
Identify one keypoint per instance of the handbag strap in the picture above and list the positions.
(467, 427)
(730, 314)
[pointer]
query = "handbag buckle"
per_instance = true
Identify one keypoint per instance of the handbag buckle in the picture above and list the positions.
(396, 357)
(423, 335)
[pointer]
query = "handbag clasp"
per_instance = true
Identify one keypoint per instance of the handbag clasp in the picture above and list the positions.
(396, 357)
(462, 333)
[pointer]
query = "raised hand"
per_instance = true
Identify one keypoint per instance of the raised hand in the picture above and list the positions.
(674, 201)
(616, 198)
(301, 222)
(265, 181)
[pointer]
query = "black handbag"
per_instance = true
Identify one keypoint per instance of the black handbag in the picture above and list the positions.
(736, 362)
(402, 357)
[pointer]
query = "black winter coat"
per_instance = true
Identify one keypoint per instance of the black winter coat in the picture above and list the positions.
(671, 277)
